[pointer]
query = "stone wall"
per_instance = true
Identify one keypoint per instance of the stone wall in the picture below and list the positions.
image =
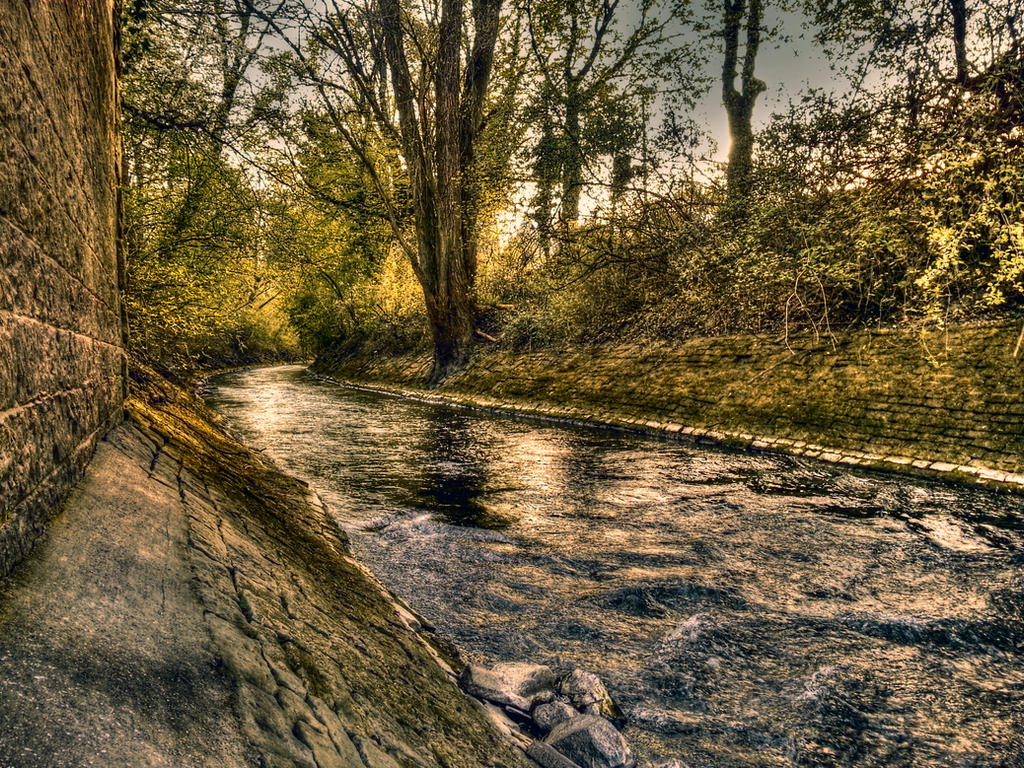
(944, 402)
(61, 347)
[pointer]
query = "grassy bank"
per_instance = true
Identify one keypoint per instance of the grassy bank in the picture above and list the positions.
(945, 402)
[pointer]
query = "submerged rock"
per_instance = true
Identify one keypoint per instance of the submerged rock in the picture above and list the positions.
(591, 742)
(588, 694)
(484, 684)
(635, 601)
(547, 716)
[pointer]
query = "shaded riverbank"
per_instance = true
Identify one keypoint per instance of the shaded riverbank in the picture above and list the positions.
(746, 610)
(194, 606)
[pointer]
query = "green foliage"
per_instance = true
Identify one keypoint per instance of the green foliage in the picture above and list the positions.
(203, 279)
(973, 191)
(254, 226)
(840, 230)
(376, 310)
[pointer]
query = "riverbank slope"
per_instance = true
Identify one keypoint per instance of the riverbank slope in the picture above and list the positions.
(192, 605)
(937, 402)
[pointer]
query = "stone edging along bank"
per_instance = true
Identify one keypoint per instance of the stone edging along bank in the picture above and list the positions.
(945, 403)
(326, 665)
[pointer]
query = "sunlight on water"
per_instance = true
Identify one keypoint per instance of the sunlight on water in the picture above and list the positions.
(747, 610)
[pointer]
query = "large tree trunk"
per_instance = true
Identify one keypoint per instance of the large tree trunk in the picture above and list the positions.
(451, 306)
(452, 313)
(739, 103)
(441, 166)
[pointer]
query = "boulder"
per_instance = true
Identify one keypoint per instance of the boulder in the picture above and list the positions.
(588, 694)
(530, 681)
(591, 742)
(548, 757)
(542, 697)
(546, 716)
(484, 684)
(671, 764)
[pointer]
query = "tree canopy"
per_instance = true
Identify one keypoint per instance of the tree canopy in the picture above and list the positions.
(346, 175)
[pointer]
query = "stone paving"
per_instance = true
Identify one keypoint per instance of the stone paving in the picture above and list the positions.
(192, 606)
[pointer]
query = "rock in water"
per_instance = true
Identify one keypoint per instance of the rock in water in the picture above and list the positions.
(484, 684)
(591, 742)
(547, 716)
(548, 757)
(588, 694)
(525, 679)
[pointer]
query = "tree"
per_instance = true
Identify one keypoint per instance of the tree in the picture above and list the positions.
(194, 218)
(419, 80)
(444, 188)
(592, 78)
(740, 15)
(187, 64)
(958, 13)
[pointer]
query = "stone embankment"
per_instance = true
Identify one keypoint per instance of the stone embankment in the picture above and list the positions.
(61, 344)
(946, 403)
(194, 606)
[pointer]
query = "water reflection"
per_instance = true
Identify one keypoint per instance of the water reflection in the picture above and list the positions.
(747, 610)
(454, 484)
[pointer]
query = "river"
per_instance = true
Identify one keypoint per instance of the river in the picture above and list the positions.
(745, 609)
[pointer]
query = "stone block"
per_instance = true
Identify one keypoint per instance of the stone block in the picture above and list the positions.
(61, 369)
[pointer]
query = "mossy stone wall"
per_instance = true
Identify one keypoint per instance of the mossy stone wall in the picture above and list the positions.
(61, 347)
(947, 401)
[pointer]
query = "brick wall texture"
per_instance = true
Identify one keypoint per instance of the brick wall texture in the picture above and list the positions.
(61, 346)
(939, 402)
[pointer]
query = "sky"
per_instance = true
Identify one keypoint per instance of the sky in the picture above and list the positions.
(787, 66)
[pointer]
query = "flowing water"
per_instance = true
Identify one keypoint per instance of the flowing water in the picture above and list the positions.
(745, 609)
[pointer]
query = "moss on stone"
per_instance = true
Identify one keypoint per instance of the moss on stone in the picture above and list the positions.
(940, 396)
